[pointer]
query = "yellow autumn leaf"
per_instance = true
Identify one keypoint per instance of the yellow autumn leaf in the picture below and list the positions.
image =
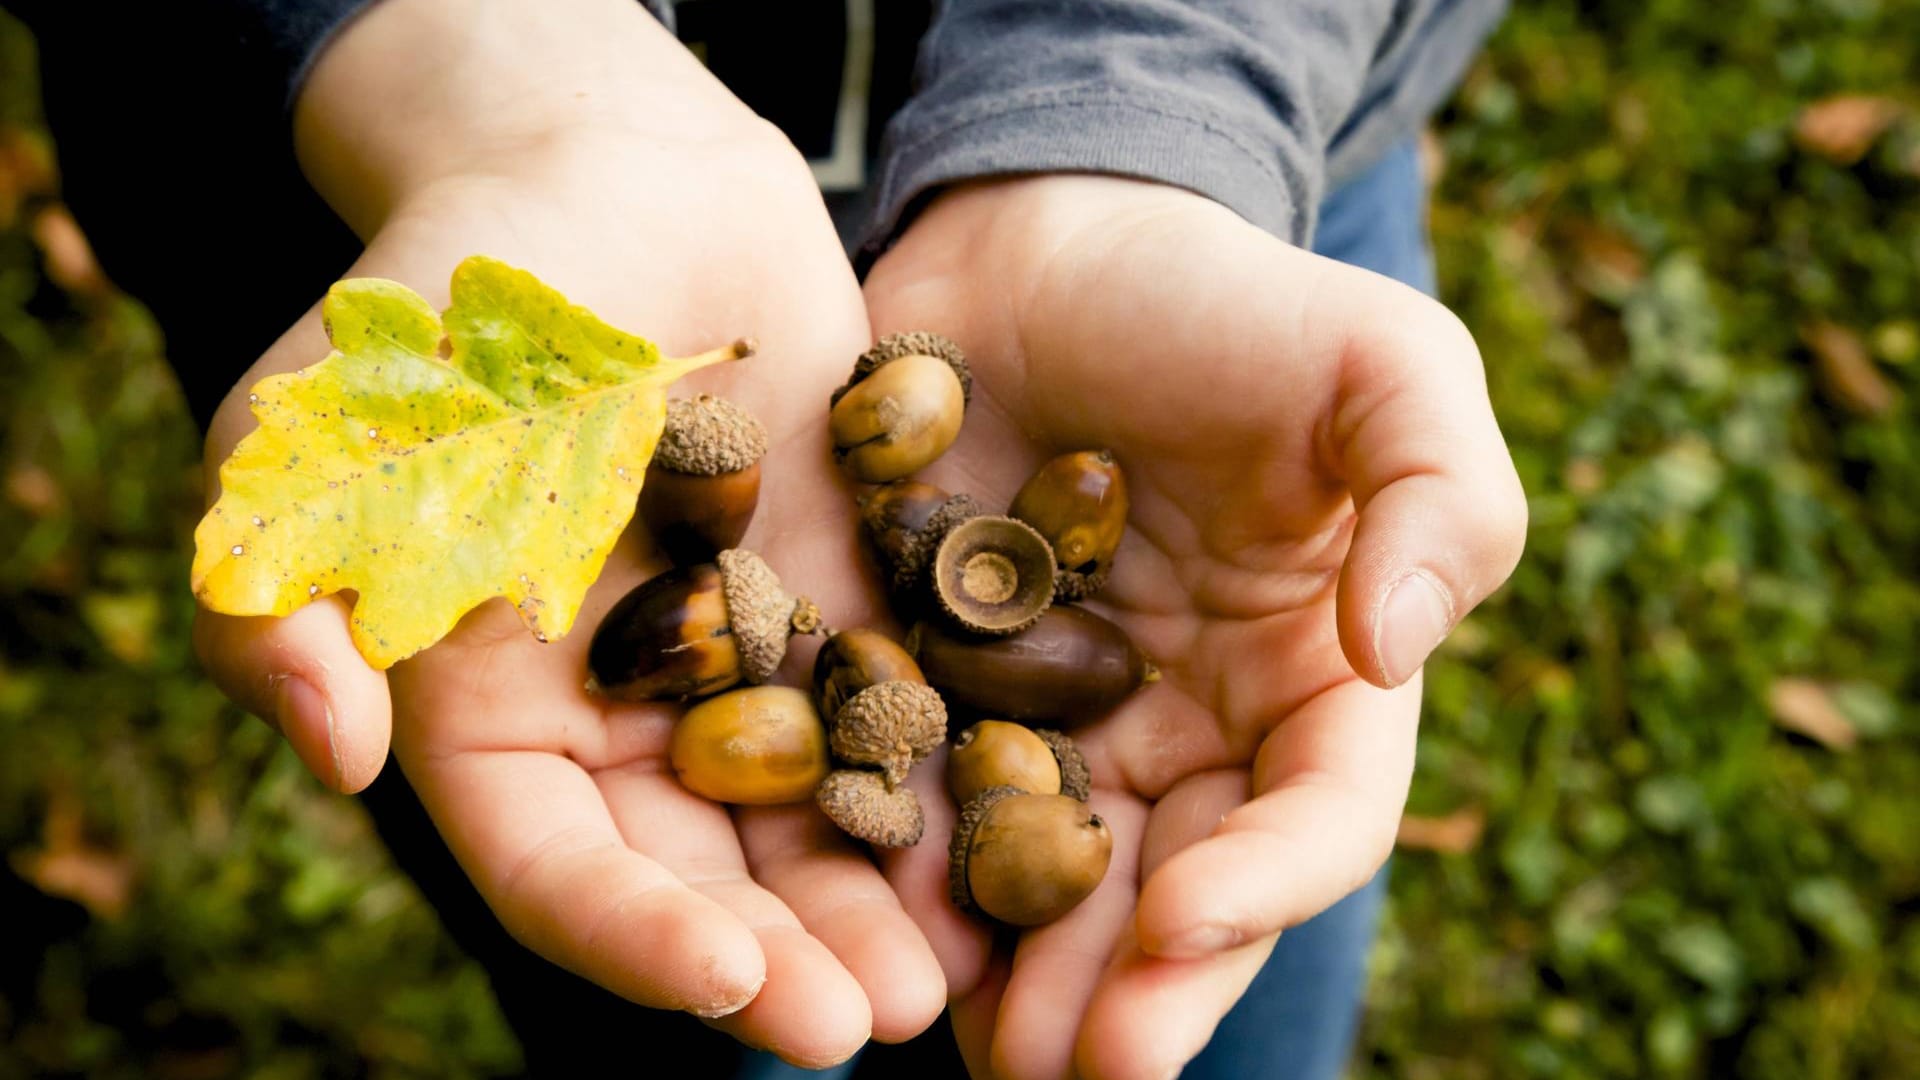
(429, 485)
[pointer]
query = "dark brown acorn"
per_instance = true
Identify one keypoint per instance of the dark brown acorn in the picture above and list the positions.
(697, 630)
(904, 521)
(1079, 503)
(901, 408)
(1071, 666)
(852, 660)
(704, 481)
(1026, 859)
(882, 712)
(995, 753)
(993, 575)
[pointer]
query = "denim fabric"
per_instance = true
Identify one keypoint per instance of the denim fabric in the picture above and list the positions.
(1296, 1021)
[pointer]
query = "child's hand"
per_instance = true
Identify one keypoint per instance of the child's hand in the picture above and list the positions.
(692, 222)
(1319, 494)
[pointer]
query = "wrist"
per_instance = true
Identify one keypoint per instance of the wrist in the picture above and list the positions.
(1009, 229)
(415, 95)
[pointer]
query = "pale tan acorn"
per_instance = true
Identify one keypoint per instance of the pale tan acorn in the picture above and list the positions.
(996, 753)
(1024, 859)
(902, 406)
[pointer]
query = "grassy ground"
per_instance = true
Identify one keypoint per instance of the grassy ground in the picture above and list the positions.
(1665, 820)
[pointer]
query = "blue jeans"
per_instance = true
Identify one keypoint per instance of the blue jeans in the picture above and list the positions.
(1296, 1021)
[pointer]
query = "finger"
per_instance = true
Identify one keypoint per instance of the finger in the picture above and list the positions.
(1333, 778)
(844, 902)
(918, 876)
(533, 832)
(811, 1011)
(1150, 1016)
(973, 1014)
(1057, 967)
(1442, 517)
(302, 674)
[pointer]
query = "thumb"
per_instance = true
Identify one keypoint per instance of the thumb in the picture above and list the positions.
(1442, 517)
(301, 674)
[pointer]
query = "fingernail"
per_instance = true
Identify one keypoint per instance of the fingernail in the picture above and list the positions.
(1416, 615)
(1202, 940)
(720, 1010)
(306, 719)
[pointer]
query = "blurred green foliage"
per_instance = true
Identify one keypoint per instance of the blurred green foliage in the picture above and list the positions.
(235, 919)
(1643, 228)
(1700, 308)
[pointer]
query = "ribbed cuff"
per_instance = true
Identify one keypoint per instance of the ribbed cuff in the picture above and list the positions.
(1086, 132)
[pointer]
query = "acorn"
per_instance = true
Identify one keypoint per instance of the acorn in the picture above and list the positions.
(756, 746)
(862, 804)
(1026, 859)
(1079, 503)
(995, 753)
(901, 408)
(697, 630)
(993, 575)
(1070, 666)
(852, 660)
(704, 481)
(883, 712)
(905, 521)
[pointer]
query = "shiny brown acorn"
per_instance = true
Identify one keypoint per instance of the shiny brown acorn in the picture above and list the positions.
(901, 408)
(995, 753)
(904, 522)
(756, 746)
(1079, 503)
(704, 481)
(882, 712)
(992, 575)
(697, 630)
(1070, 666)
(1024, 859)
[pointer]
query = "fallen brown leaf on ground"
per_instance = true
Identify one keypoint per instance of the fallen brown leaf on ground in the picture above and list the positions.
(1848, 372)
(1454, 834)
(1842, 128)
(70, 261)
(68, 864)
(1804, 706)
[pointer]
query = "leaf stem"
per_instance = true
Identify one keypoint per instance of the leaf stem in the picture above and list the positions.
(740, 349)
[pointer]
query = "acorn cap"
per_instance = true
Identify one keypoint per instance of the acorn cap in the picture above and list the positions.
(920, 547)
(761, 613)
(1075, 779)
(915, 343)
(708, 436)
(1072, 586)
(859, 801)
(993, 575)
(891, 725)
(961, 846)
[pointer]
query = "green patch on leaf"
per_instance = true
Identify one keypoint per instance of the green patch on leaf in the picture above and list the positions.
(429, 485)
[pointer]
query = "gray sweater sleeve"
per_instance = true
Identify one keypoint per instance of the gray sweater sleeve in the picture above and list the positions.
(1252, 103)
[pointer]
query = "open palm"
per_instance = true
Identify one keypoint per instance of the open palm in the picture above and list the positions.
(561, 805)
(1319, 492)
